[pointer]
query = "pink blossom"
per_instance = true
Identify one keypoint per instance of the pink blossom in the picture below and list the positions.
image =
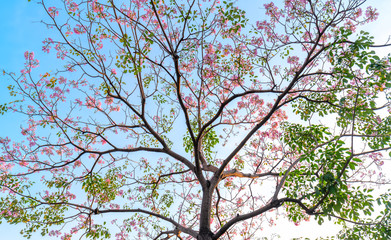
(53, 12)
(371, 13)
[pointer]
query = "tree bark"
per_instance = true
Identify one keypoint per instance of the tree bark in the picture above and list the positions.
(207, 236)
(205, 233)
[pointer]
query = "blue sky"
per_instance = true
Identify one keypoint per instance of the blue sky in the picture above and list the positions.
(21, 30)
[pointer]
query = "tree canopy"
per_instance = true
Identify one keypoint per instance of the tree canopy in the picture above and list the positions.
(188, 119)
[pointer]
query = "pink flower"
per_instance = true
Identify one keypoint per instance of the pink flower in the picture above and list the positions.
(53, 11)
(73, 7)
(371, 13)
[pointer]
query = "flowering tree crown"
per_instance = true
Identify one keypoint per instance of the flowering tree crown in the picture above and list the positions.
(171, 118)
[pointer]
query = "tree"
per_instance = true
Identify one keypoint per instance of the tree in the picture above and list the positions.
(171, 118)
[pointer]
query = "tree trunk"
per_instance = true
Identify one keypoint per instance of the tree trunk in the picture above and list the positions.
(205, 235)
